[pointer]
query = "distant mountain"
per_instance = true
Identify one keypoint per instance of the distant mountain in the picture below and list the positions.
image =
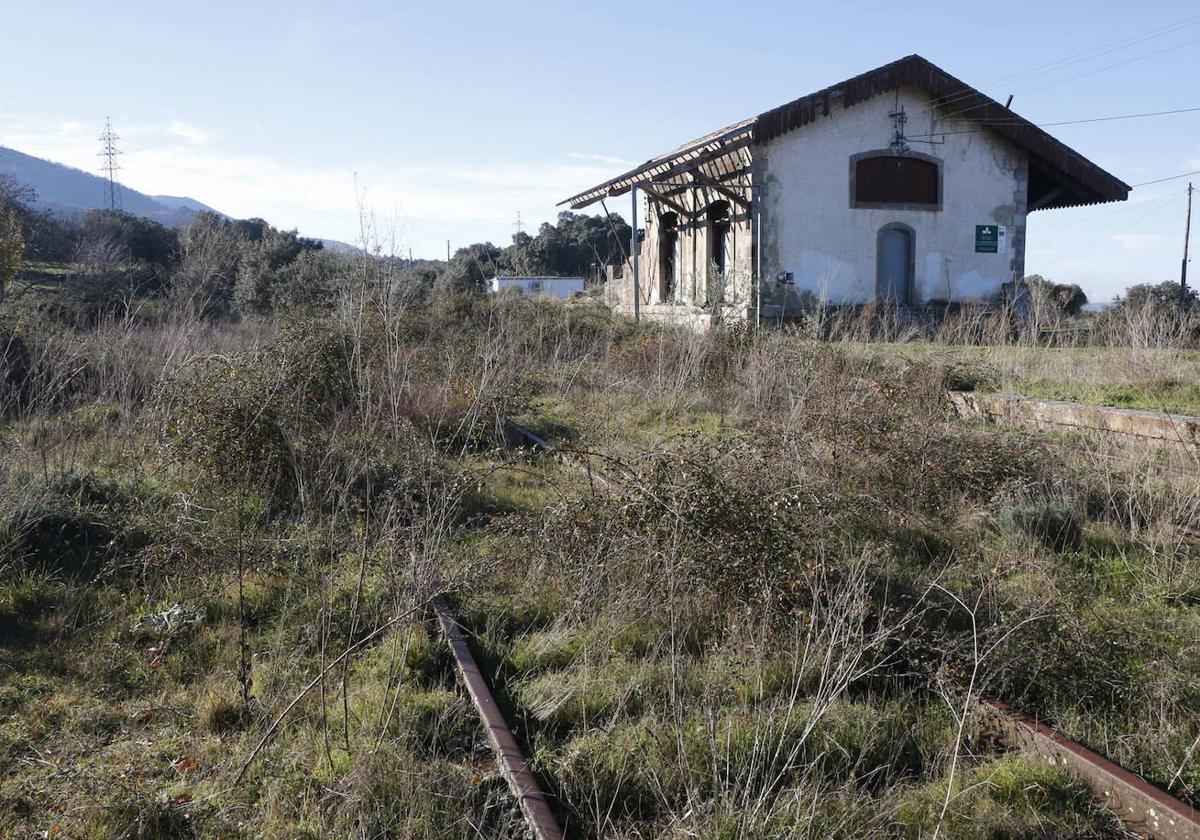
(339, 247)
(182, 202)
(71, 192)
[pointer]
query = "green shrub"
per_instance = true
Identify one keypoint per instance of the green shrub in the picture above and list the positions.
(224, 717)
(15, 364)
(73, 542)
(243, 421)
(1054, 525)
(970, 375)
(24, 596)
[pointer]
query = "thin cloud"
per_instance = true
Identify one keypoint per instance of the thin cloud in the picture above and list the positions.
(470, 201)
(1140, 243)
(188, 132)
(594, 158)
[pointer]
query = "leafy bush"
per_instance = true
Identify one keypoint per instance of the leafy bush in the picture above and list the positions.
(80, 525)
(15, 364)
(1055, 525)
(971, 375)
(24, 596)
(242, 421)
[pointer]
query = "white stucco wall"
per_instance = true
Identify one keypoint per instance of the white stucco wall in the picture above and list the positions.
(811, 230)
(559, 287)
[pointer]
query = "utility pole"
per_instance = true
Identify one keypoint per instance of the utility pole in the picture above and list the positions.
(1187, 234)
(633, 255)
(447, 251)
(109, 152)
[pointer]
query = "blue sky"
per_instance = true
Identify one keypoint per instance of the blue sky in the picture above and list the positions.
(443, 120)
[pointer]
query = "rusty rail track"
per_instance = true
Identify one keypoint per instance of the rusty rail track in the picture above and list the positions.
(1142, 807)
(580, 463)
(513, 765)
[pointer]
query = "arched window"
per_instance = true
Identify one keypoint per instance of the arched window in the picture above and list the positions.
(908, 181)
(668, 241)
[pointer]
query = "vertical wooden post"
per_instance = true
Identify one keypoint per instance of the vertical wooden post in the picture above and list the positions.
(1187, 234)
(633, 255)
(756, 197)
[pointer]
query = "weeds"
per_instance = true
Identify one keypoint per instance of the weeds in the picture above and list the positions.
(219, 542)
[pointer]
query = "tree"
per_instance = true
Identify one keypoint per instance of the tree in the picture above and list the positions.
(141, 240)
(210, 254)
(12, 247)
(46, 236)
(470, 268)
(1068, 298)
(1156, 296)
(262, 266)
(307, 283)
(570, 246)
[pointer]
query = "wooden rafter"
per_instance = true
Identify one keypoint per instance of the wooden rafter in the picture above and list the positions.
(658, 196)
(716, 186)
(662, 171)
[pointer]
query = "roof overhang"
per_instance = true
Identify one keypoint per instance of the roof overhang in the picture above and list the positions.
(687, 158)
(1058, 175)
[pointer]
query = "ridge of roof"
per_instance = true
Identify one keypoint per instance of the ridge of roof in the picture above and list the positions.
(1095, 184)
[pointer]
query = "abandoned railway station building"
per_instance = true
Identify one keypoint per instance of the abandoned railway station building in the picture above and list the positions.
(902, 185)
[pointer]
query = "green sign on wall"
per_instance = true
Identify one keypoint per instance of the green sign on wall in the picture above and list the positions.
(990, 239)
(987, 239)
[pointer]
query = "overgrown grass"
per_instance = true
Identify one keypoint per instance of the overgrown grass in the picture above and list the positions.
(216, 538)
(1151, 379)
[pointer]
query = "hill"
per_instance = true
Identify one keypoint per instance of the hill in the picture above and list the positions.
(182, 202)
(70, 192)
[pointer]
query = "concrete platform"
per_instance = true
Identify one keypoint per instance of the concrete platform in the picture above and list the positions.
(1155, 426)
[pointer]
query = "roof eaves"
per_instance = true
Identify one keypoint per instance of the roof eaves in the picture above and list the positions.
(914, 71)
(622, 183)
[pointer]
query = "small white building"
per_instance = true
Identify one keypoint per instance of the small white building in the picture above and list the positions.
(558, 287)
(902, 185)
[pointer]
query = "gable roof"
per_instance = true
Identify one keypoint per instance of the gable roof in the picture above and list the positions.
(1058, 175)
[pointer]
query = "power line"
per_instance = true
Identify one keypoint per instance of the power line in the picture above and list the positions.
(111, 167)
(1162, 180)
(945, 101)
(1087, 55)
(992, 123)
(1085, 74)
(1155, 207)
(1104, 49)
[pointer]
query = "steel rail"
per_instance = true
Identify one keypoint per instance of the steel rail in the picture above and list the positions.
(513, 765)
(1142, 807)
(570, 459)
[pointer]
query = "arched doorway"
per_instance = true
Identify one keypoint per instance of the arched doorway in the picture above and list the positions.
(895, 264)
(668, 241)
(718, 223)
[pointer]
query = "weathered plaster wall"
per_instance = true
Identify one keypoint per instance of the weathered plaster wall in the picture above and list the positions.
(811, 230)
(695, 286)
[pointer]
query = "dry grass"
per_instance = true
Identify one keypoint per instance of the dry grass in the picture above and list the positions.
(218, 540)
